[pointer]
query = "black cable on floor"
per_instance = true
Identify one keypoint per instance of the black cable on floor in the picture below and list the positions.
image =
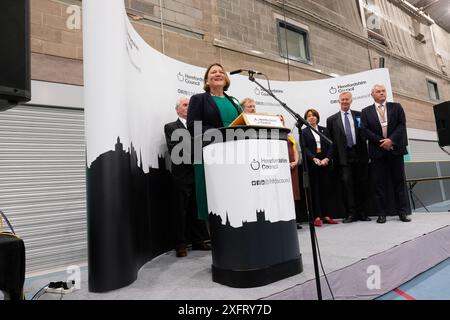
(44, 287)
(321, 266)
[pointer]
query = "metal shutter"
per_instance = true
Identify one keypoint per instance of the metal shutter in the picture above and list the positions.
(422, 150)
(43, 183)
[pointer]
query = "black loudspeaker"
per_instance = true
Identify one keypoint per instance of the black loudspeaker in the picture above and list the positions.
(442, 116)
(381, 62)
(15, 82)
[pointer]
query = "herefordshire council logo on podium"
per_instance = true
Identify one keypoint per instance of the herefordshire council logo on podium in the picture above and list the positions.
(255, 165)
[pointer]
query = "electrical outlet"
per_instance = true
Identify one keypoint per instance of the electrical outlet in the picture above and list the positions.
(59, 290)
(60, 287)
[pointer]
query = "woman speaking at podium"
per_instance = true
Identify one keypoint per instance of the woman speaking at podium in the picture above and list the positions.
(211, 109)
(214, 108)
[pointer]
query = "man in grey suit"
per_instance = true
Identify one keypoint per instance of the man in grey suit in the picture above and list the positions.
(350, 157)
(385, 128)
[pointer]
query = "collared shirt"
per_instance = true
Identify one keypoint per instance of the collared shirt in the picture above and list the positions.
(352, 123)
(317, 137)
(385, 122)
(183, 121)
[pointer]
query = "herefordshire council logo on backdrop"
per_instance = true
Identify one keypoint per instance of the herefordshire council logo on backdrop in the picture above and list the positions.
(257, 91)
(333, 90)
(189, 79)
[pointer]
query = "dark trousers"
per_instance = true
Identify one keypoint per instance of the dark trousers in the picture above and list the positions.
(189, 228)
(354, 178)
(389, 167)
(319, 178)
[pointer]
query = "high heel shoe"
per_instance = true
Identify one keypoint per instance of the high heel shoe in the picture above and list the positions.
(329, 220)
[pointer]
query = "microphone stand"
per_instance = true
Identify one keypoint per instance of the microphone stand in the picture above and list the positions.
(299, 123)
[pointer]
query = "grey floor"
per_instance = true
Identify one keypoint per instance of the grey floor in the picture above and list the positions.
(170, 278)
(437, 207)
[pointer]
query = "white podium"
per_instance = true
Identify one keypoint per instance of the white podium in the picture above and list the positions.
(251, 208)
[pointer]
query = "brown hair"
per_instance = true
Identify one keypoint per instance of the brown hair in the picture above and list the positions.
(314, 112)
(281, 118)
(205, 78)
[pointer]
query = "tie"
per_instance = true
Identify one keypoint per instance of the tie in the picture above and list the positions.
(348, 131)
(381, 112)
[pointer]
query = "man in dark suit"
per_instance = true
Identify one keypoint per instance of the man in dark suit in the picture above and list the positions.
(350, 157)
(385, 128)
(189, 228)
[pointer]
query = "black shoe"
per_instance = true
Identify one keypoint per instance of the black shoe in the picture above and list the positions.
(201, 246)
(381, 219)
(404, 218)
(364, 218)
(299, 226)
(349, 219)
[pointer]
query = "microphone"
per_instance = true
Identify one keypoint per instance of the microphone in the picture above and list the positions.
(235, 71)
(241, 70)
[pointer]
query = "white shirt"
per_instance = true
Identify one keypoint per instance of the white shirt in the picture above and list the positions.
(317, 137)
(377, 105)
(183, 121)
(352, 123)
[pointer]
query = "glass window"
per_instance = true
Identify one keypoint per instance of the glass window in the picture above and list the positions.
(293, 42)
(371, 14)
(433, 90)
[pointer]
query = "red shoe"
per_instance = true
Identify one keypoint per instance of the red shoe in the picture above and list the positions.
(181, 252)
(317, 222)
(329, 220)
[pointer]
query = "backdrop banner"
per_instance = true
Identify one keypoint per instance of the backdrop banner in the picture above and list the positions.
(130, 93)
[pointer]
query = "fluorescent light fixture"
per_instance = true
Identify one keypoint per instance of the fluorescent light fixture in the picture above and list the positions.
(256, 52)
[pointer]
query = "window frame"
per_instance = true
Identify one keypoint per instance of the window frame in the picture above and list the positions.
(378, 38)
(436, 89)
(281, 24)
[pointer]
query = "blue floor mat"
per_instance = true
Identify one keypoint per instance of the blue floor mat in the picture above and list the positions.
(433, 284)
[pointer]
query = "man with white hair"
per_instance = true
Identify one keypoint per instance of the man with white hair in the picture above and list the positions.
(249, 105)
(188, 228)
(385, 128)
(350, 157)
